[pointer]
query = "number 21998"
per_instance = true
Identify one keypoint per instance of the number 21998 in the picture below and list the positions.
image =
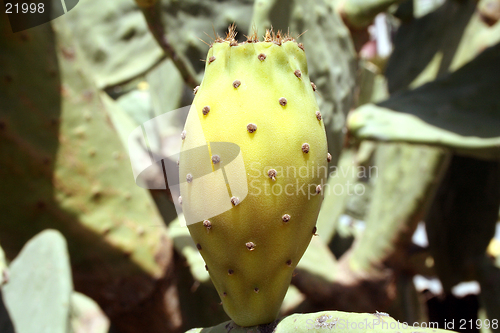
(479, 323)
(24, 8)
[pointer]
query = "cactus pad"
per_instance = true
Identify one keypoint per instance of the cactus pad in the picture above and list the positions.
(252, 216)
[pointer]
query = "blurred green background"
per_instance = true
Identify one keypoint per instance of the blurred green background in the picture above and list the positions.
(410, 96)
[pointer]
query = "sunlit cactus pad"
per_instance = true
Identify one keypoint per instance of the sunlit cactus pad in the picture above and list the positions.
(252, 210)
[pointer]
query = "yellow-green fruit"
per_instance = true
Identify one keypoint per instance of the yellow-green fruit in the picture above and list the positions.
(258, 96)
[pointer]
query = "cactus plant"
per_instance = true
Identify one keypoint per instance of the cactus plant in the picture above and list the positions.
(60, 174)
(458, 111)
(258, 96)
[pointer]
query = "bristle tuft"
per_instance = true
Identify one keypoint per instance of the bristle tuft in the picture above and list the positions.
(231, 33)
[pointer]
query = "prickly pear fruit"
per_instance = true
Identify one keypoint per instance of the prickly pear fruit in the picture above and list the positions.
(258, 96)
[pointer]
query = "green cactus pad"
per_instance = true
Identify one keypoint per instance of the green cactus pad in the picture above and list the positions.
(455, 111)
(38, 293)
(258, 96)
